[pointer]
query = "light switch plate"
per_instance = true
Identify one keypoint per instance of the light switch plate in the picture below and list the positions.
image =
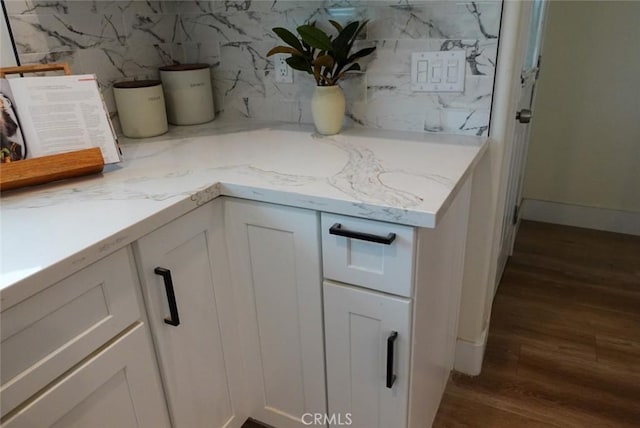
(440, 71)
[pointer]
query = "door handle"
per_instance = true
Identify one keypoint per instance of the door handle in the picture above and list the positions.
(391, 340)
(174, 318)
(337, 229)
(524, 116)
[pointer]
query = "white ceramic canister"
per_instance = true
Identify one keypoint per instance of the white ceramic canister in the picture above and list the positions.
(187, 89)
(141, 109)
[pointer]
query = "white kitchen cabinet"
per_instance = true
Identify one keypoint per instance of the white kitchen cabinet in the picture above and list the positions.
(46, 334)
(77, 354)
(401, 280)
(368, 336)
(183, 266)
(274, 254)
(116, 387)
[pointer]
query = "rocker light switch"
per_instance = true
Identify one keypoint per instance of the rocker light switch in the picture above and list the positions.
(436, 72)
(452, 71)
(423, 66)
(441, 71)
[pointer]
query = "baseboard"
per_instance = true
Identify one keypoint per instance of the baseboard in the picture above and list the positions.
(588, 217)
(469, 355)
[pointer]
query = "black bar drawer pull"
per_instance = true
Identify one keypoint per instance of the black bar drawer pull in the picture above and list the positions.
(337, 229)
(391, 340)
(173, 319)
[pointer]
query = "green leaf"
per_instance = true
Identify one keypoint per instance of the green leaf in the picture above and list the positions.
(349, 31)
(336, 25)
(288, 37)
(314, 37)
(341, 45)
(284, 50)
(361, 53)
(355, 35)
(299, 63)
(364, 24)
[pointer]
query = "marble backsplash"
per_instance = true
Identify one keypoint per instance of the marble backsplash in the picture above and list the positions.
(119, 40)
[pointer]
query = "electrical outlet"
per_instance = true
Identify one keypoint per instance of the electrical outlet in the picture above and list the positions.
(283, 73)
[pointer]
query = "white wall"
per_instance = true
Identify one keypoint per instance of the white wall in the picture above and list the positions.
(585, 139)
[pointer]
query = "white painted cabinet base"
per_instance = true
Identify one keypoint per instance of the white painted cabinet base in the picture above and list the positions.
(117, 387)
(274, 256)
(358, 323)
(199, 359)
(359, 319)
(46, 334)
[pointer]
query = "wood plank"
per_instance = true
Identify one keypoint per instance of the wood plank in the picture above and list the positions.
(524, 398)
(583, 385)
(538, 324)
(618, 295)
(45, 169)
(617, 353)
(461, 412)
(35, 68)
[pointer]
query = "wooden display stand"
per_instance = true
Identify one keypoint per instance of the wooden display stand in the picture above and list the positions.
(44, 169)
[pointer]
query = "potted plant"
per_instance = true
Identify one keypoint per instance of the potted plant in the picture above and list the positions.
(327, 59)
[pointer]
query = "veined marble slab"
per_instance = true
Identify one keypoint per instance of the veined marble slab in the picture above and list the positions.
(125, 39)
(48, 232)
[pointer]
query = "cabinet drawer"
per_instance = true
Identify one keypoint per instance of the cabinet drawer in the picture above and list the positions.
(117, 387)
(46, 334)
(386, 267)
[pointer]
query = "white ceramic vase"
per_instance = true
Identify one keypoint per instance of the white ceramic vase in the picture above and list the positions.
(327, 108)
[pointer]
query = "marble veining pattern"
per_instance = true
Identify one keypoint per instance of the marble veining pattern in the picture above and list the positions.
(119, 40)
(399, 177)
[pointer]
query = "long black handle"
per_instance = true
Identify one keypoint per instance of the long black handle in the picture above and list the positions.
(337, 229)
(391, 340)
(173, 319)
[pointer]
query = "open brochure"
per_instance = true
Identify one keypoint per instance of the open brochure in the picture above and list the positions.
(60, 114)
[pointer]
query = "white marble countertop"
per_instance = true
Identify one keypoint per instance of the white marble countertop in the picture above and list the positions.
(51, 231)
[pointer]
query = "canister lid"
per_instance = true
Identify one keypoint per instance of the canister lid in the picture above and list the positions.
(183, 67)
(130, 84)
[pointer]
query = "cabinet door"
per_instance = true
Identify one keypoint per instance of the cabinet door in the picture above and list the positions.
(55, 329)
(358, 325)
(117, 387)
(274, 254)
(198, 359)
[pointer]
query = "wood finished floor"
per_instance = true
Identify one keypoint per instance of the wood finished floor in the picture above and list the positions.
(564, 340)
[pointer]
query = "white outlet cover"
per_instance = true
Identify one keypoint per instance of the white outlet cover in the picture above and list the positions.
(282, 72)
(445, 71)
